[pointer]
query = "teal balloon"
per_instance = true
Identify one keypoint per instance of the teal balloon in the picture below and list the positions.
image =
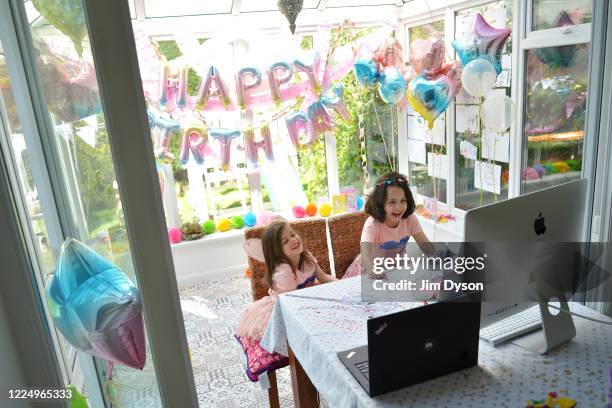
(360, 203)
(250, 219)
(366, 71)
(392, 86)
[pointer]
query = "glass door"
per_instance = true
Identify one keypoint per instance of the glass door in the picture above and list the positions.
(72, 182)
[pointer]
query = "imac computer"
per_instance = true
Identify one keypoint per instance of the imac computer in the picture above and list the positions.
(526, 224)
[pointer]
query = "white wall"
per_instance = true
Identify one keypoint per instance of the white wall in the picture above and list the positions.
(215, 257)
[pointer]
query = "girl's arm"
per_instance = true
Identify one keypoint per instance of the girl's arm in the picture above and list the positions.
(324, 277)
(369, 251)
(424, 243)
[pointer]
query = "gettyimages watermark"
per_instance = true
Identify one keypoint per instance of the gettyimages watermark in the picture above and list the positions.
(491, 271)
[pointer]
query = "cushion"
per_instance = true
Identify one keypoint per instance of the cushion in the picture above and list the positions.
(258, 359)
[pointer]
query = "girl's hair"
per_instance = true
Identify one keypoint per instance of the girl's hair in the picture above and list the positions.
(273, 250)
(375, 204)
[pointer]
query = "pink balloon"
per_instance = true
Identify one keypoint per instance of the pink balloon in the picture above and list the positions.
(299, 211)
(246, 78)
(194, 139)
(298, 123)
(175, 235)
(278, 74)
(207, 91)
(225, 137)
(252, 146)
(390, 54)
(310, 70)
(427, 56)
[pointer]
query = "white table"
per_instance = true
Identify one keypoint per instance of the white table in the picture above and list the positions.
(506, 376)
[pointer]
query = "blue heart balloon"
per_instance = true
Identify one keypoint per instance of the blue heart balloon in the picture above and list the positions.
(431, 97)
(366, 71)
(96, 307)
(392, 85)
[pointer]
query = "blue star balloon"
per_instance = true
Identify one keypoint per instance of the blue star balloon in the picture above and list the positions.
(96, 307)
(483, 41)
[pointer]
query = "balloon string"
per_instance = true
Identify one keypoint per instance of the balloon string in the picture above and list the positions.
(383, 137)
(481, 144)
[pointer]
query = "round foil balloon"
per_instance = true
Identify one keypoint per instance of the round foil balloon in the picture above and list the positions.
(497, 112)
(96, 307)
(478, 77)
(392, 85)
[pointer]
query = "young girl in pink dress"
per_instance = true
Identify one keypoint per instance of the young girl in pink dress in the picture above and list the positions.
(289, 266)
(390, 225)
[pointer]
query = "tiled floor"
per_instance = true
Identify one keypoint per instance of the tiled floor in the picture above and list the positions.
(211, 310)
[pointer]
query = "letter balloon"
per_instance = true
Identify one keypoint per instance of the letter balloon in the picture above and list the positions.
(194, 139)
(246, 78)
(298, 123)
(310, 71)
(336, 102)
(278, 74)
(225, 137)
(207, 90)
(252, 146)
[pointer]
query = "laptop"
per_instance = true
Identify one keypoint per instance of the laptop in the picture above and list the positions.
(416, 345)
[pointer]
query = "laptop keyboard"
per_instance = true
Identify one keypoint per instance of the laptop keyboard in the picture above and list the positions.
(364, 368)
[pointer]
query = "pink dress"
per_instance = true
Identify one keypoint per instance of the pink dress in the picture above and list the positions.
(255, 318)
(389, 238)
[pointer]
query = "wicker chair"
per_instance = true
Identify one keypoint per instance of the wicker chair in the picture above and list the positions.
(345, 237)
(313, 234)
(314, 237)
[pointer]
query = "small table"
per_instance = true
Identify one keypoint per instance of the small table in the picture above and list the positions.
(320, 321)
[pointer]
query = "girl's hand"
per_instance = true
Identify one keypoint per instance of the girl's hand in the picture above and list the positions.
(382, 275)
(424, 243)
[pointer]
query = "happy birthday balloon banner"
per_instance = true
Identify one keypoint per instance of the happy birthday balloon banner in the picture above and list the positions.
(303, 127)
(253, 89)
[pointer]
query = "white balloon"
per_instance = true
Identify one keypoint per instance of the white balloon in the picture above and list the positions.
(478, 77)
(497, 112)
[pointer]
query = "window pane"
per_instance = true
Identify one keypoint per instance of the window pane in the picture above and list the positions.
(426, 146)
(485, 154)
(86, 170)
(366, 147)
(561, 13)
(555, 107)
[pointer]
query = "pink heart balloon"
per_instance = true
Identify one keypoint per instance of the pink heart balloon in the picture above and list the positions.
(427, 56)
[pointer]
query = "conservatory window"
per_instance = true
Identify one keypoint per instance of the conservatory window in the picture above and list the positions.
(546, 12)
(424, 145)
(555, 107)
(482, 158)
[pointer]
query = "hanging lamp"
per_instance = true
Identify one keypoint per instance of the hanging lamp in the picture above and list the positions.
(291, 9)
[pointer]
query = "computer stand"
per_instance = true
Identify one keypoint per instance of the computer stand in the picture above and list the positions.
(555, 331)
